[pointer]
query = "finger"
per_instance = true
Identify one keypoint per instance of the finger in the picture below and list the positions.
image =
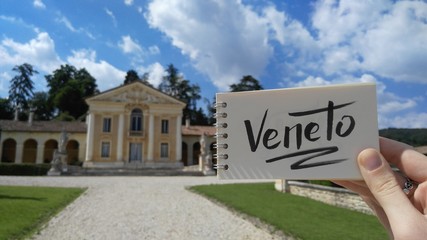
(383, 184)
(409, 161)
(379, 212)
(354, 186)
(364, 192)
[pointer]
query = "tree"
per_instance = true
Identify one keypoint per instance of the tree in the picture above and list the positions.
(144, 79)
(132, 76)
(176, 86)
(68, 88)
(247, 83)
(43, 110)
(21, 86)
(6, 109)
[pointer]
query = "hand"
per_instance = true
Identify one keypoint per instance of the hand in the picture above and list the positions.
(403, 215)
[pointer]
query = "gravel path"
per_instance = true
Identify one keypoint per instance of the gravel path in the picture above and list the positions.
(140, 208)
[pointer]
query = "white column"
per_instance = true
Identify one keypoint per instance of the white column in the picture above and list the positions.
(150, 137)
(120, 137)
(40, 152)
(89, 136)
(178, 138)
(19, 152)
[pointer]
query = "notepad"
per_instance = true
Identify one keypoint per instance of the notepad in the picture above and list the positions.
(295, 133)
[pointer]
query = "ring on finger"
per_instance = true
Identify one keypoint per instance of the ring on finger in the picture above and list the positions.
(408, 186)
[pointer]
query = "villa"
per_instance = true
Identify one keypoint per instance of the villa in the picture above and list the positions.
(133, 125)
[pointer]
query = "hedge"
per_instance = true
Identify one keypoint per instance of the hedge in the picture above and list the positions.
(24, 169)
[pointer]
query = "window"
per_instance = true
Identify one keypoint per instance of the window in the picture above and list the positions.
(105, 149)
(106, 125)
(136, 120)
(164, 150)
(165, 126)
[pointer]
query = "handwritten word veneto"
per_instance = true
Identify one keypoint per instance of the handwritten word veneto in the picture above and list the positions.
(310, 132)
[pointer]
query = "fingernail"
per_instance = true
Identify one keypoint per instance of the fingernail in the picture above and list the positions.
(371, 160)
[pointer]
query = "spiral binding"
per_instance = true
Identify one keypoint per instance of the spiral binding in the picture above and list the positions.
(220, 105)
(220, 156)
(221, 135)
(222, 125)
(220, 145)
(220, 166)
(220, 115)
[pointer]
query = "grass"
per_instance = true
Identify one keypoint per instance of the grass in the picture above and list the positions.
(23, 210)
(299, 217)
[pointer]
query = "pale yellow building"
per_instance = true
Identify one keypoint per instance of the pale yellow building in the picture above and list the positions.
(133, 125)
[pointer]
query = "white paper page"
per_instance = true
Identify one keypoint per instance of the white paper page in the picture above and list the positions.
(300, 133)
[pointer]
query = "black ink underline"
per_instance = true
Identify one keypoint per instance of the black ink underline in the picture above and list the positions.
(317, 153)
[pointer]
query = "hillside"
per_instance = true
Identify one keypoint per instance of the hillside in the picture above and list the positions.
(412, 136)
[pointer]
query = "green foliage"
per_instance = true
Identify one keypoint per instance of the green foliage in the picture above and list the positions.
(132, 76)
(297, 216)
(25, 209)
(24, 169)
(21, 85)
(6, 110)
(413, 137)
(65, 116)
(247, 83)
(176, 86)
(43, 110)
(68, 88)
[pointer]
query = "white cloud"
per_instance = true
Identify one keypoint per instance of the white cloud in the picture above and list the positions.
(128, 2)
(156, 72)
(229, 42)
(39, 52)
(107, 76)
(64, 20)
(39, 4)
(67, 23)
(4, 82)
(154, 50)
(289, 32)
(409, 120)
(396, 46)
(128, 45)
(345, 37)
(389, 104)
(112, 16)
(19, 22)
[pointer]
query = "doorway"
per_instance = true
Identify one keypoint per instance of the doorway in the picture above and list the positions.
(135, 152)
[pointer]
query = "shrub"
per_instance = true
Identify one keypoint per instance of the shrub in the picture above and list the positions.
(24, 169)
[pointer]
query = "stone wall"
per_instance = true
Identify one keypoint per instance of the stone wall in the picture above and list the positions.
(339, 197)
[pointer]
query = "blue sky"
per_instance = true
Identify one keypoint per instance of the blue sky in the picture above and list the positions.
(214, 43)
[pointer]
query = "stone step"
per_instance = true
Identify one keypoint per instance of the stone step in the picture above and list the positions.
(130, 172)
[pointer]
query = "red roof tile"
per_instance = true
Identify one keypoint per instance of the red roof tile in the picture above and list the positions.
(194, 130)
(42, 126)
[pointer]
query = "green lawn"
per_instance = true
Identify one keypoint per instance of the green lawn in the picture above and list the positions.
(23, 210)
(297, 216)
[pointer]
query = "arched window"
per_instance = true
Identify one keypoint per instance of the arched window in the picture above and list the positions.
(136, 121)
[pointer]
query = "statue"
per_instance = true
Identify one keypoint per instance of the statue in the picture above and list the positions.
(203, 144)
(205, 157)
(63, 139)
(59, 161)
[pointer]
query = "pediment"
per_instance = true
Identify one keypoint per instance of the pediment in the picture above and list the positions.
(135, 93)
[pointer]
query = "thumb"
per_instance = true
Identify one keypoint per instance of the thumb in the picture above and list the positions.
(383, 184)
